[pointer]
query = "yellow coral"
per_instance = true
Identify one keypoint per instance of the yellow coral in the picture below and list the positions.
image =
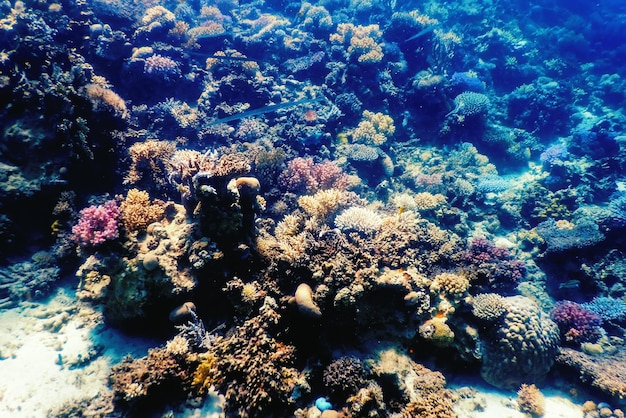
(137, 211)
(450, 284)
(206, 374)
(428, 201)
(374, 129)
(437, 331)
(361, 41)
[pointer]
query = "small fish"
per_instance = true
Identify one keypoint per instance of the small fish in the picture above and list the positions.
(421, 33)
(401, 210)
(570, 284)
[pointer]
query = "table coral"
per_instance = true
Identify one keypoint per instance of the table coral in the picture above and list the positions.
(605, 373)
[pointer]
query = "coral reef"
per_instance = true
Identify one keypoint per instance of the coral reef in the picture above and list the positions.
(321, 182)
(344, 377)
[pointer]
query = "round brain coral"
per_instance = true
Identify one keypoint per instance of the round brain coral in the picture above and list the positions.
(521, 347)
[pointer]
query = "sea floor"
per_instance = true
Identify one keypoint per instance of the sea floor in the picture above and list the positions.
(478, 400)
(57, 352)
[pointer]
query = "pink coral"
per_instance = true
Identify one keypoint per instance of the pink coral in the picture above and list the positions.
(302, 174)
(97, 224)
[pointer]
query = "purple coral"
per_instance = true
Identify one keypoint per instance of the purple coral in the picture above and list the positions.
(492, 268)
(162, 67)
(577, 324)
(97, 224)
(302, 174)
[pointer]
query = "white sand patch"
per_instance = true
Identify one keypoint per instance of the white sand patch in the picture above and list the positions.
(50, 355)
(482, 401)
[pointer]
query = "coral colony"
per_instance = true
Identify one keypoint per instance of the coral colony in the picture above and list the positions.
(322, 209)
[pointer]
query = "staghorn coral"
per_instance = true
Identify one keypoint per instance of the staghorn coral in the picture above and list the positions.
(488, 306)
(520, 346)
(137, 212)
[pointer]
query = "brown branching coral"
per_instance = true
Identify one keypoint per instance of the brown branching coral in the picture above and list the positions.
(423, 390)
(530, 400)
(138, 212)
(145, 379)
(149, 162)
(405, 240)
(252, 367)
